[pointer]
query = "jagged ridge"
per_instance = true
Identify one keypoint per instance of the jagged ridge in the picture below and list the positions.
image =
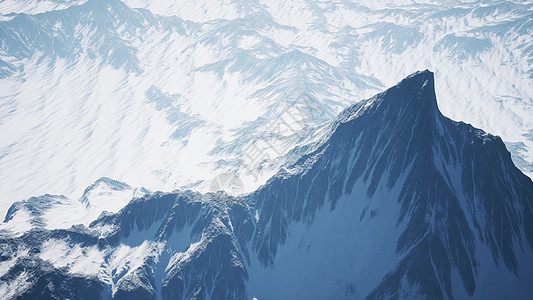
(455, 189)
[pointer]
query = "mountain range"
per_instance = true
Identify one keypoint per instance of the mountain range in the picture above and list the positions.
(394, 201)
(169, 95)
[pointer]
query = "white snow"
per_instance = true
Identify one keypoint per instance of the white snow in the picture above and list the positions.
(67, 121)
(65, 212)
(79, 260)
(35, 6)
(21, 283)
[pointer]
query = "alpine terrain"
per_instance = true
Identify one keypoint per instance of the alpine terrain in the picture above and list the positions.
(172, 94)
(395, 201)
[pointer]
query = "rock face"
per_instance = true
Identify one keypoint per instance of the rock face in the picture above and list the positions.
(397, 202)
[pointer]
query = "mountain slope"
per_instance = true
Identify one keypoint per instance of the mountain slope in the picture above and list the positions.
(397, 155)
(397, 201)
(99, 89)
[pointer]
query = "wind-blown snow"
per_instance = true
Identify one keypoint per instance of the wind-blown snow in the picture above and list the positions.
(172, 96)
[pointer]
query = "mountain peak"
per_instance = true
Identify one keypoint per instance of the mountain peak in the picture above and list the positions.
(104, 186)
(417, 91)
(424, 74)
(411, 101)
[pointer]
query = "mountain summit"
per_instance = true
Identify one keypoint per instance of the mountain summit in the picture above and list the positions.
(397, 201)
(440, 199)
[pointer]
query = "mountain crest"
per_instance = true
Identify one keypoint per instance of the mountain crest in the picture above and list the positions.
(411, 102)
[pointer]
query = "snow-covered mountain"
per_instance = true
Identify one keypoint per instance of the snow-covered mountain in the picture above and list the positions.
(395, 201)
(58, 211)
(167, 95)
